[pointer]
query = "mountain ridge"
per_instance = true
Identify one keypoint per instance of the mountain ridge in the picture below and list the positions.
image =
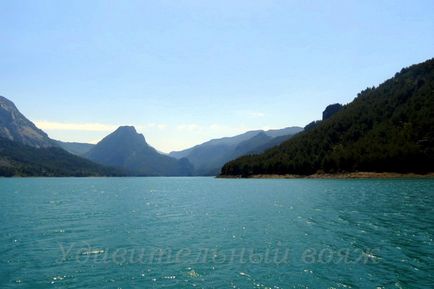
(127, 149)
(26, 150)
(209, 157)
(15, 126)
(17, 159)
(75, 148)
(389, 128)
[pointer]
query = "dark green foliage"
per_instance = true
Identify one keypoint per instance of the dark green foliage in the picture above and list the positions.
(312, 125)
(331, 110)
(17, 159)
(385, 129)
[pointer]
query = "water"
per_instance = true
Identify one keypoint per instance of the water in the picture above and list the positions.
(216, 233)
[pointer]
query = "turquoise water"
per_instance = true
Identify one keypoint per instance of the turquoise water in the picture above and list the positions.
(216, 233)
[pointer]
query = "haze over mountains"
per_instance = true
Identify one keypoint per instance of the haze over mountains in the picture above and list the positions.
(75, 148)
(127, 149)
(209, 157)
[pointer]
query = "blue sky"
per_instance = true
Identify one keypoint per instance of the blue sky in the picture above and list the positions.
(183, 72)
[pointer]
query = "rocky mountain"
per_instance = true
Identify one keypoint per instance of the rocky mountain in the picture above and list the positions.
(127, 149)
(16, 127)
(209, 157)
(25, 150)
(389, 128)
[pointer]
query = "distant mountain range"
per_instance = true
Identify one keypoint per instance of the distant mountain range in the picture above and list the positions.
(75, 148)
(209, 157)
(126, 149)
(26, 150)
(385, 129)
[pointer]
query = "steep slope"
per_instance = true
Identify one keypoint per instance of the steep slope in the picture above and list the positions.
(17, 159)
(209, 157)
(16, 127)
(385, 129)
(75, 148)
(25, 150)
(126, 149)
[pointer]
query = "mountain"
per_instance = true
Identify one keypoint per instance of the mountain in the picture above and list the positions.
(252, 145)
(284, 131)
(25, 150)
(209, 157)
(225, 141)
(260, 148)
(126, 149)
(385, 129)
(16, 127)
(75, 148)
(17, 159)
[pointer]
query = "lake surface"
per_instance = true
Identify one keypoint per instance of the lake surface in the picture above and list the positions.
(216, 233)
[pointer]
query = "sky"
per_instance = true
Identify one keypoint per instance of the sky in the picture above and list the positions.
(186, 71)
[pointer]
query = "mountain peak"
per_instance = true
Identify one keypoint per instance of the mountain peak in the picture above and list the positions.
(15, 126)
(5, 101)
(127, 128)
(127, 149)
(125, 136)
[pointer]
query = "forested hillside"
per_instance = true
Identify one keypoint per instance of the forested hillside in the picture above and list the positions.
(389, 128)
(22, 160)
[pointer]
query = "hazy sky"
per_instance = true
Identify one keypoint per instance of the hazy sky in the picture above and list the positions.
(183, 72)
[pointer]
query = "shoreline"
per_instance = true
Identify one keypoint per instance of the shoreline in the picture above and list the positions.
(354, 175)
